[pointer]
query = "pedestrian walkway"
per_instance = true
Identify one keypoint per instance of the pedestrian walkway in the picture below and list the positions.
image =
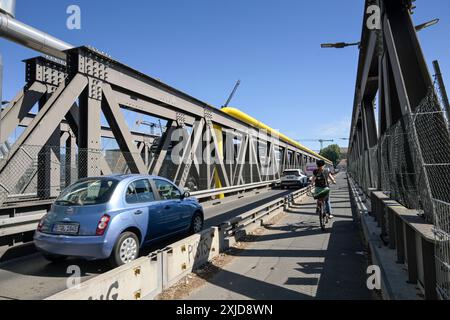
(294, 259)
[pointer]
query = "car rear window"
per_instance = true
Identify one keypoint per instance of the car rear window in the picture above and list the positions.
(291, 173)
(88, 192)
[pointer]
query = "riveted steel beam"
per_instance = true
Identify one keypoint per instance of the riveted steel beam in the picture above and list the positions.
(40, 130)
(116, 120)
(18, 109)
(188, 156)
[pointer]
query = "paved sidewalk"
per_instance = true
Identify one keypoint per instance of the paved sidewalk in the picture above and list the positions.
(294, 259)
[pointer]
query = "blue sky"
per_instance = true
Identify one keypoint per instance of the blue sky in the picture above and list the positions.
(203, 46)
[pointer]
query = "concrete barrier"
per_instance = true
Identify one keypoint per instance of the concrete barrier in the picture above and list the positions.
(185, 256)
(134, 281)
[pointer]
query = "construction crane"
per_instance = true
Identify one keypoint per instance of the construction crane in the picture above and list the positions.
(317, 140)
(151, 125)
(232, 94)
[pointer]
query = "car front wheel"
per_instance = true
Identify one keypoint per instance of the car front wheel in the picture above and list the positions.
(125, 250)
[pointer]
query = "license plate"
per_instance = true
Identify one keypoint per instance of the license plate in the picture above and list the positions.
(66, 228)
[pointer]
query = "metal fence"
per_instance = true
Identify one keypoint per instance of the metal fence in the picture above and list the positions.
(42, 172)
(411, 163)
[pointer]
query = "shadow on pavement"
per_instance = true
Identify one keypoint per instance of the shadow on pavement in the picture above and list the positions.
(17, 251)
(252, 288)
(36, 265)
(340, 273)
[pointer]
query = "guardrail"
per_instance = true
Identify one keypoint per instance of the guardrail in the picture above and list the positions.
(404, 231)
(148, 276)
(249, 221)
(215, 192)
(27, 221)
(21, 224)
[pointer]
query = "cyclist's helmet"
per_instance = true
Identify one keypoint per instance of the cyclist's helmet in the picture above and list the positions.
(320, 163)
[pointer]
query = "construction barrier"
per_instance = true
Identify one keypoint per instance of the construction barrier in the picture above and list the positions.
(185, 256)
(133, 281)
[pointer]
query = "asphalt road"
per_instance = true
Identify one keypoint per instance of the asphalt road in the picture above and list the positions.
(31, 277)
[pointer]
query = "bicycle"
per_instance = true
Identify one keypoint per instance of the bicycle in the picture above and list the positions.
(320, 209)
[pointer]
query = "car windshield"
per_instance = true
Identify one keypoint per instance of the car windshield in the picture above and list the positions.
(291, 173)
(88, 192)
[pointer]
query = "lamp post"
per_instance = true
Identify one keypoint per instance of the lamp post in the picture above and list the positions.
(440, 82)
(426, 24)
(340, 45)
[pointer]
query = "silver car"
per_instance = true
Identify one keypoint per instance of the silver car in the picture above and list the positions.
(293, 178)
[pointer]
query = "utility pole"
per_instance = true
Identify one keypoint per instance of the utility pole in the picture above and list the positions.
(441, 85)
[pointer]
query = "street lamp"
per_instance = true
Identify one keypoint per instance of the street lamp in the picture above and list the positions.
(426, 24)
(339, 45)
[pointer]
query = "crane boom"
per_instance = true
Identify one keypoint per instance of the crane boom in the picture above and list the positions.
(318, 140)
(232, 94)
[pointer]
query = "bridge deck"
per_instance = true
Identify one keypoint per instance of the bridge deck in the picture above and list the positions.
(294, 259)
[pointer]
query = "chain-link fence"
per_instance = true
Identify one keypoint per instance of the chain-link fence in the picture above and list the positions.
(42, 172)
(412, 160)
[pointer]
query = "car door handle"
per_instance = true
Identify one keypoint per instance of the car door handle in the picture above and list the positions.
(138, 212)
(166, 207)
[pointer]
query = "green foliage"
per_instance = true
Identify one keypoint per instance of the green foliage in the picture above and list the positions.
(332, 153)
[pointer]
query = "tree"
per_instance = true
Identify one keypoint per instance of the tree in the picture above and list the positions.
(332, 153)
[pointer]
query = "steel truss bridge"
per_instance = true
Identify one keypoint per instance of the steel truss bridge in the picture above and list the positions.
(399, 165)
(74, 86)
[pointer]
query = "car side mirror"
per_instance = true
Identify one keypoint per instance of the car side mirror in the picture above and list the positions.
(186, 195)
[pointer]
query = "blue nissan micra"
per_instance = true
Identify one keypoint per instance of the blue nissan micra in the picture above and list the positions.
(112, 217)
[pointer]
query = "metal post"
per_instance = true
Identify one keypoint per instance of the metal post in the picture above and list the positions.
(441, 85)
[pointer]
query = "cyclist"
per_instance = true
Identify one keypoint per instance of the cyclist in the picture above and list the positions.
(320, 179)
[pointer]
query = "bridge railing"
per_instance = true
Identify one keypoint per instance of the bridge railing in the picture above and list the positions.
(411, 165)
